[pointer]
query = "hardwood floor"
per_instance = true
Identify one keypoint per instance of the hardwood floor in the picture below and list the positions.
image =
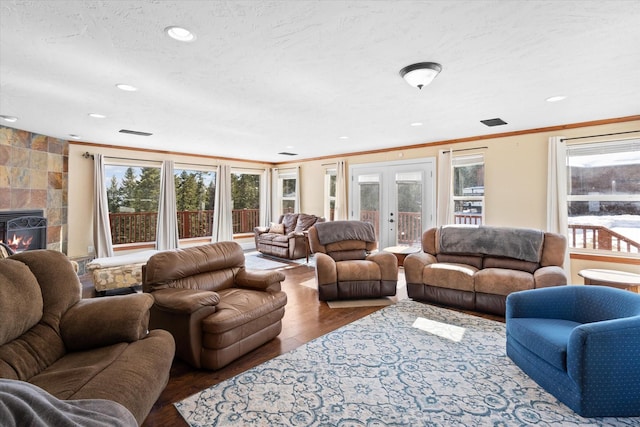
(305, 318)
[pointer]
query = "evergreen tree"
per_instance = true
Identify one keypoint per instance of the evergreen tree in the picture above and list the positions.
(114, 195)
(128, 190)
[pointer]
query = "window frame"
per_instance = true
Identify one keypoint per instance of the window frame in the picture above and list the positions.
(190, 167)
(462, 161)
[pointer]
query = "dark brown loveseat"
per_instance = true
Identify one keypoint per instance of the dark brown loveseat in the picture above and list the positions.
(286, 239)
(73, 348)
(476, 268)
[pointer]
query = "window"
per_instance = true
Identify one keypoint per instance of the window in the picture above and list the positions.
(468, 189)
(287, 193)
(245, 199)
(603, 196)
(132, 194)
(330, 194)
(195, 195)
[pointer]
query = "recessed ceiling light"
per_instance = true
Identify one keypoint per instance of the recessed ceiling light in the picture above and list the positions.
(180, 34)
(126, 87)
(344, 137)
(97, 115)
(416, 124)
(556, 98)
(9, 119)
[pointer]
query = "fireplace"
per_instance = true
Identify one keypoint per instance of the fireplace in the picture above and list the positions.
(23, 230)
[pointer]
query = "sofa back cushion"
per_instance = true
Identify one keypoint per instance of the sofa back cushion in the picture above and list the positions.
(305, 222)
(510, 264)
(553, 250)
(20, 300)
(289, 220)
(210, 267)
(473, 260)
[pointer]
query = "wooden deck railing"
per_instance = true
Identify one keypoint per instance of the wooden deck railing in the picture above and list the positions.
(134, 227)
(597, 237)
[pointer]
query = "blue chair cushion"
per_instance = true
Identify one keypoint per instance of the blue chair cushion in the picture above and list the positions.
(547, 338)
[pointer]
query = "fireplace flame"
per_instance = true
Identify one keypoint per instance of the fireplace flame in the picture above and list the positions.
(19, 243)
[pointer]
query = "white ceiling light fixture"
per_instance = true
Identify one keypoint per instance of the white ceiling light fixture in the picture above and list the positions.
(416, 124)
(180, 34)
(420, 74)
(97, 116)
(556, 98)
(126, 87)
(10, 119)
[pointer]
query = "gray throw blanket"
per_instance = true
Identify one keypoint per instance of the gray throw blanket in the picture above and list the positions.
(336, 231)
(519, 243)
(24, 404)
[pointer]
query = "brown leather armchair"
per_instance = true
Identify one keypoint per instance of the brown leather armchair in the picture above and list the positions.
(215, 309)
(346, 268)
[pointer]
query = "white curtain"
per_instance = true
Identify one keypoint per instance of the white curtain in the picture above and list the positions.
(298, 195)
(222, 220)
(341, 209)
(265, 197)
(101, 226)
(444, 210)
(557, 218)
(167, 227)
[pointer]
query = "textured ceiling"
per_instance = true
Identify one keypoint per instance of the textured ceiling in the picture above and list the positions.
(271, 76)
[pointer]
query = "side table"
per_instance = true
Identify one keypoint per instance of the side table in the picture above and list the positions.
(401, 252)
(613, 278)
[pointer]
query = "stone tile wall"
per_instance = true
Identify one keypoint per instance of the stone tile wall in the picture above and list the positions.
(33, 175)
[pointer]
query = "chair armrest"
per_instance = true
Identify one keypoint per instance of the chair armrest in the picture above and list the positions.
(388, 264)
(326, 271)
(613, 345)
(263, 280)
(98, 322)
(415, 263)
(184, 301)
(545, 277)
(260, 230)
(546, 303)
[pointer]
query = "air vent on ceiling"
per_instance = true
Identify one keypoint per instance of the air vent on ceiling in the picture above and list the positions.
(285, 153)
(493, 122)
(135, 132)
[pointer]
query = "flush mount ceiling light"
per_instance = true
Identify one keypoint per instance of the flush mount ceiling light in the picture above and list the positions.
(9, 119)
(556, 98)
(97, 116)
(180, 34)
(420, 74)
(126, 87)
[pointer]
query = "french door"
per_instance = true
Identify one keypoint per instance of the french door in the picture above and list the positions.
(398, 198)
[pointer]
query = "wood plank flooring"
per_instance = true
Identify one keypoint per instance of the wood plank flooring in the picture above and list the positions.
(305, 318)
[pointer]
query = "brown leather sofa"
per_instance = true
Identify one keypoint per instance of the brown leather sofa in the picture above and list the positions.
(346, 266)
(215, 309)
(285, 239)
(73, 348)
(476, 268)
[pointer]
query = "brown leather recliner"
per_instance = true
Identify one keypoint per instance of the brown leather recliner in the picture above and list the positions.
(215, 309)
(346, 268)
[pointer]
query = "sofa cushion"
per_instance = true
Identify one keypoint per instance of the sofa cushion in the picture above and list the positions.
(452, 276)
(501, 281)
(353, 254)
(276, 228)
(305, 222)
(358, 270)
(510, 263)
(547, 338)
(474, 260)
(20, 300)
(289, 220)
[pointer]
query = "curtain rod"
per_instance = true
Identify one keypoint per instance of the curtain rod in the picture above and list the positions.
(604, 134)
(465, 149)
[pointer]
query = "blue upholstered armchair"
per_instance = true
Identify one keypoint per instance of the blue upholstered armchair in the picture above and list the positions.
(581, 344)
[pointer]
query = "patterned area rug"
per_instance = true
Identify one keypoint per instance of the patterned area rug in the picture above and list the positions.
(409, 364)
(259, 262)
